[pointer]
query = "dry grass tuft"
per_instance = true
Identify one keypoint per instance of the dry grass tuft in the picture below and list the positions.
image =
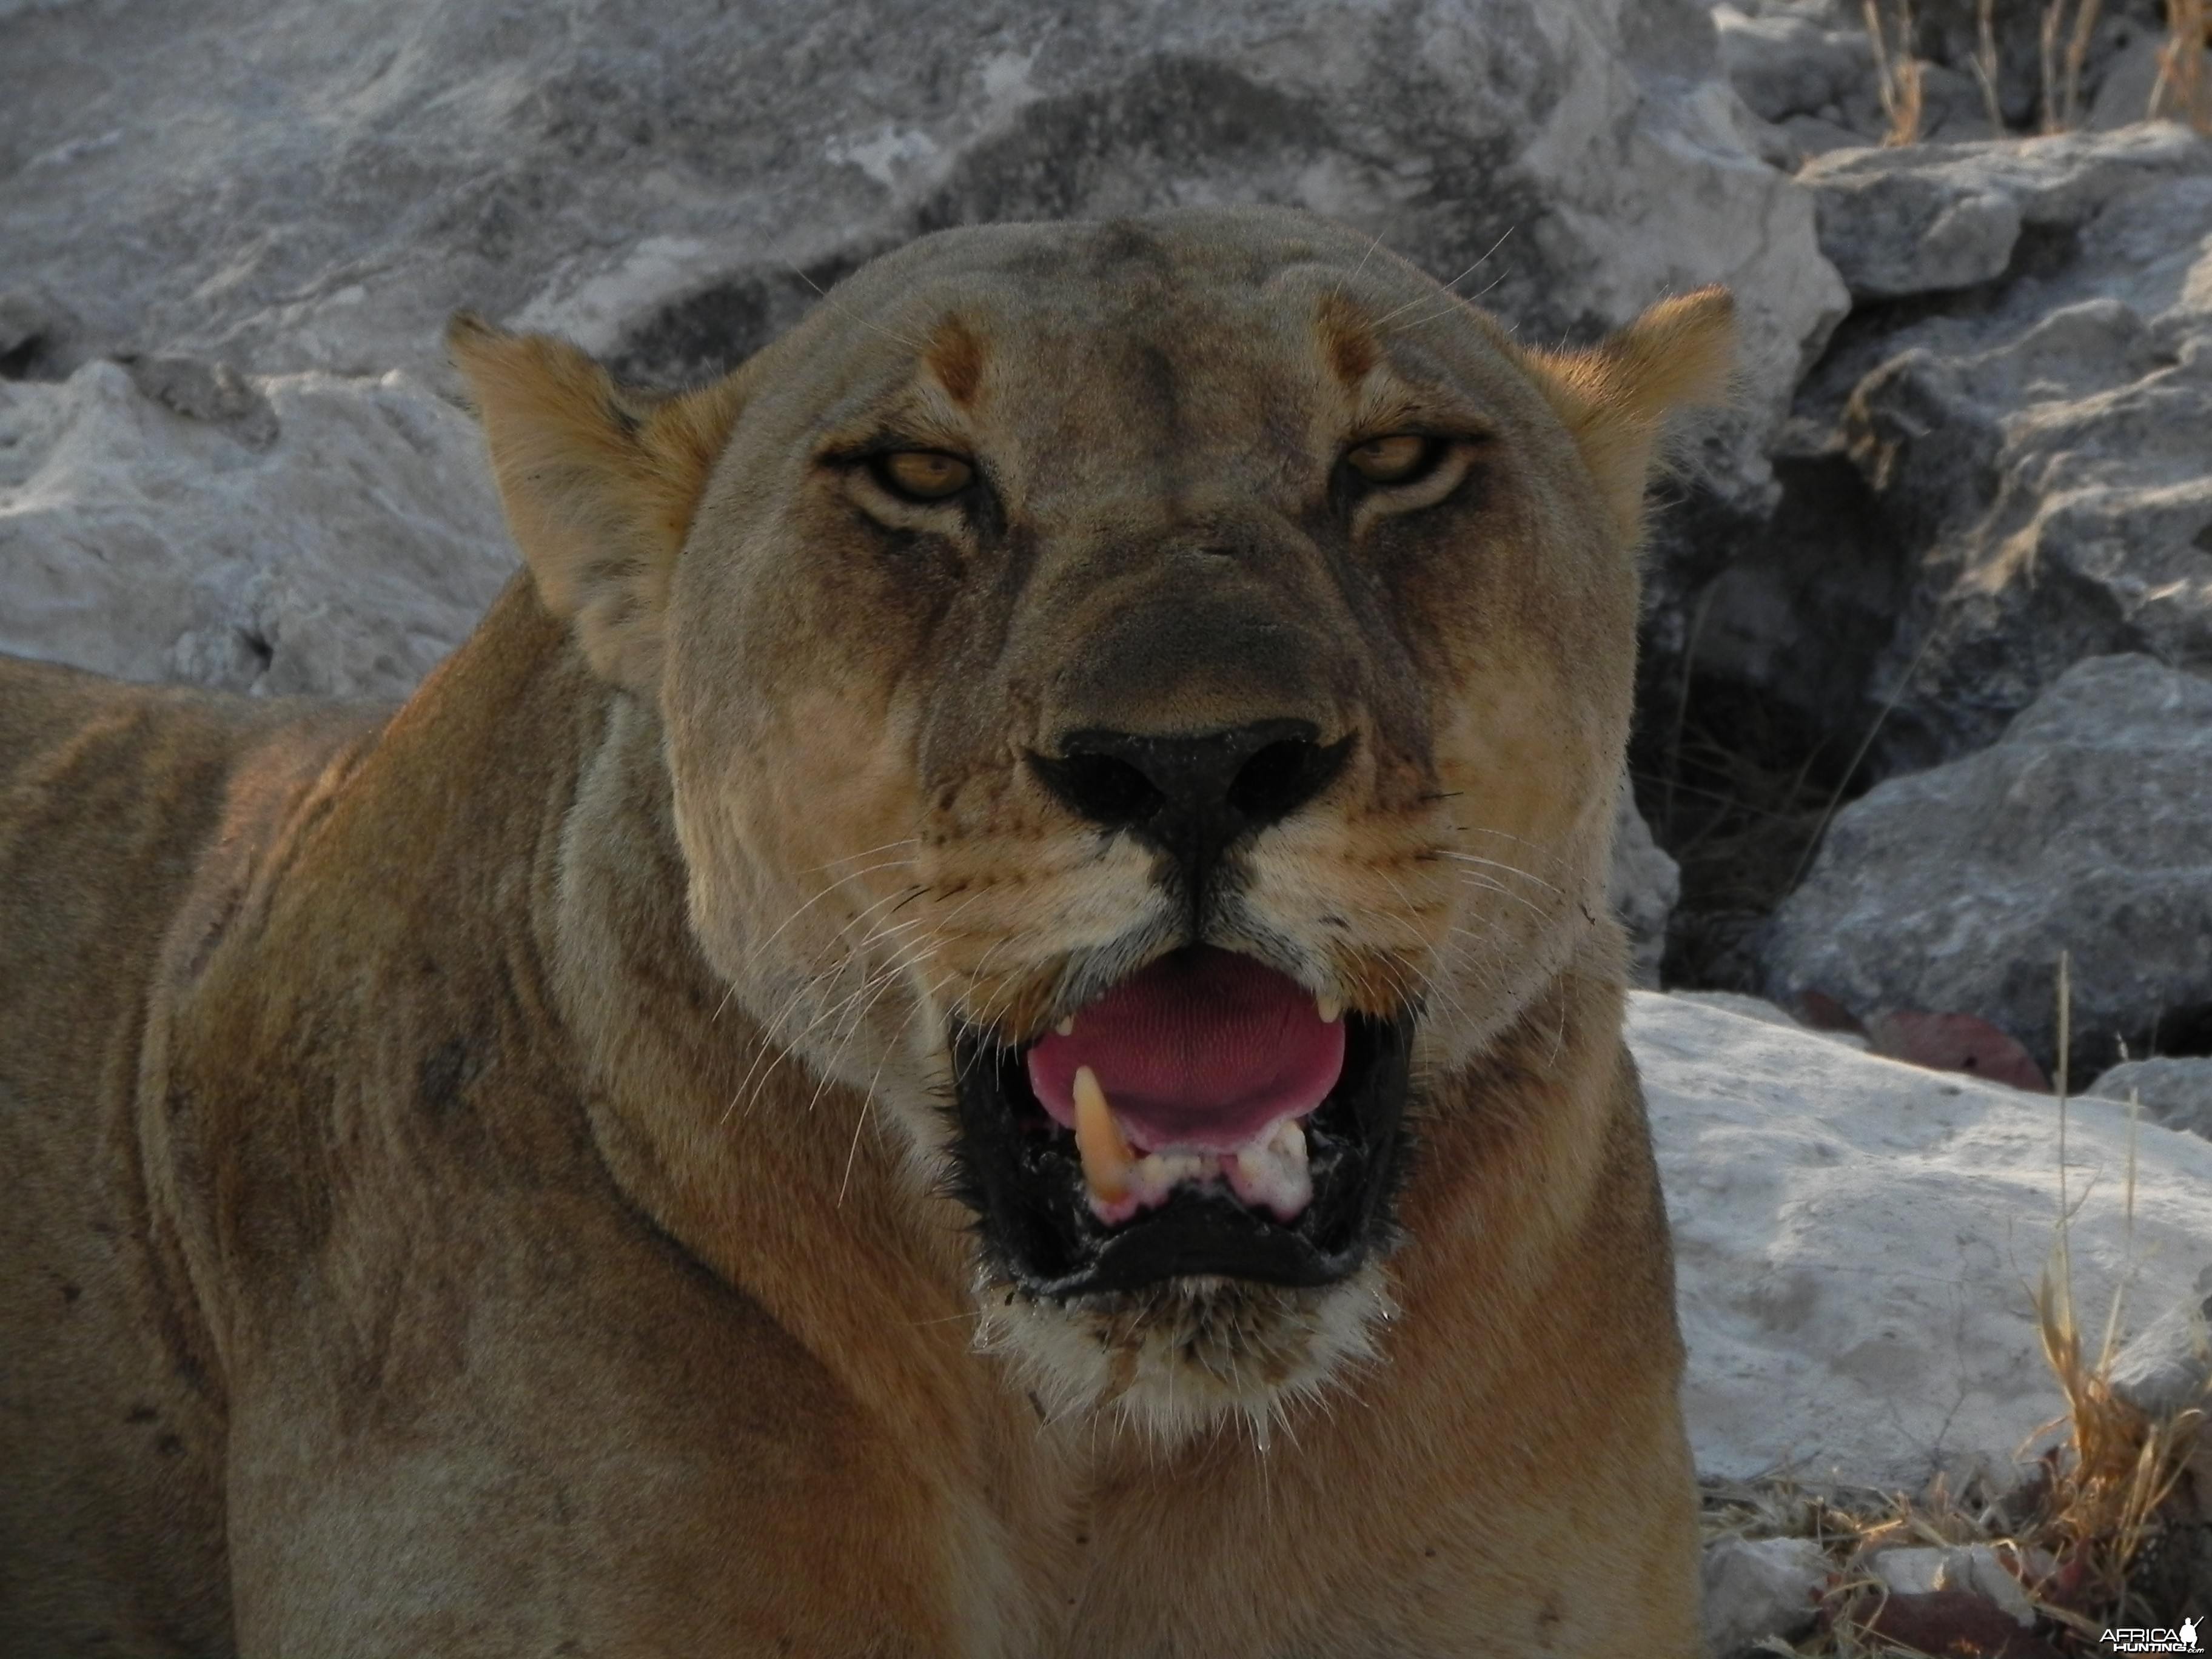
(2103, 1501)
(2104, 1491)
(2182, 91)
(2071, 1534)
(2068, 28)
(2065, 49)
(1986, 61)
(1896, 72)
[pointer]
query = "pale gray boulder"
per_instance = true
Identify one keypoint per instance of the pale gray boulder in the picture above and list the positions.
(2084, 829)
(1807, 67)
(1932, 216)
(2177, 1092)
(1796, 61)
(294, 187)
(2046, 459)
(1984, 485)
(1892, 231)
(2166, 1368)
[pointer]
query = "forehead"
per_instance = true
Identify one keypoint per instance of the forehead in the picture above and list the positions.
(1221, 307)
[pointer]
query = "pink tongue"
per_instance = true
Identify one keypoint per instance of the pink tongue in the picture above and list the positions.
(1201, 1052)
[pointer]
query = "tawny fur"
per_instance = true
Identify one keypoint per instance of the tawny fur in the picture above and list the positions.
(475, 1175)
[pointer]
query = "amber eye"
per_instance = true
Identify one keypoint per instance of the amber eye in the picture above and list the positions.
(923, 475)
(1395, 460)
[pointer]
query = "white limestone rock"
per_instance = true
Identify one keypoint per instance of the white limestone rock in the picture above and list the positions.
(1925, 1570)
(1759, 1588)
(1856, 1241)
(292, 533)
(1769, 1013)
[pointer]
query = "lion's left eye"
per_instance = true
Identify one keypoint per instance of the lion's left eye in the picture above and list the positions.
(1398, 458)
(923, 475)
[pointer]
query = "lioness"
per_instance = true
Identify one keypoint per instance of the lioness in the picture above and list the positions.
(978, 1020)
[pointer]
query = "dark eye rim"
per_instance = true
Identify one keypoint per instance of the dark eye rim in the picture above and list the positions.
(1349, 487)
(878, 464)
(1436, 446)
(1423, 445)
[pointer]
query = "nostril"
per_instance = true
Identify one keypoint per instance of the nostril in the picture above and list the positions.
(1277, 781)
(1104, 788)
(1195, 792)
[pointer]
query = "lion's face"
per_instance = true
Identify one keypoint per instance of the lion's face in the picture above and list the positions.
(1140, 699)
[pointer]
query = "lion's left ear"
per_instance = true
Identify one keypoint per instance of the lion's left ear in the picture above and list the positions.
(600, 483)
(1615, 397)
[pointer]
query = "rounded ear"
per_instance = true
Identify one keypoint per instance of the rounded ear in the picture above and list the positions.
(599, 482)
(1615, 397)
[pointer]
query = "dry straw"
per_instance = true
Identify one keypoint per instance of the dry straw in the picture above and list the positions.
(1986, 63)
(2064, 50)
(2182, 91)
(1896, 71)
(2065, 33)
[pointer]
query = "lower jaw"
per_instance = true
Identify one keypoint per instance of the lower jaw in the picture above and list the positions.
(1184, 1358)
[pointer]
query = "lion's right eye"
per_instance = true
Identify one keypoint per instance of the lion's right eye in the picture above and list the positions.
(1399, 458)
(923, 475)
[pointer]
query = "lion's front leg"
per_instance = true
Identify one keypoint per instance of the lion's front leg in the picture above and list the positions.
(571, 1441)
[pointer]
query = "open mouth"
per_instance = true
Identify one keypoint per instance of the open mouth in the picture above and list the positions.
(1206, 1116)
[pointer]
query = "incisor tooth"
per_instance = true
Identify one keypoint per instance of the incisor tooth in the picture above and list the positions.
(1331, 1009)
(1274, 1175)
(1106, 1160)
(1067, 1027)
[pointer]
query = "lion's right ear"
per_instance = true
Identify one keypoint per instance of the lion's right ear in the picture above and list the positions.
(599, 482)
(1615, 397)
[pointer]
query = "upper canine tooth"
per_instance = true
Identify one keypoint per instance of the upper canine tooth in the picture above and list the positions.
(1108, 1162)
(1067, 1026)
(1331, 1009)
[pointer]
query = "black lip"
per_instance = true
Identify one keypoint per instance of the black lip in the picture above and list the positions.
(1020, 1173)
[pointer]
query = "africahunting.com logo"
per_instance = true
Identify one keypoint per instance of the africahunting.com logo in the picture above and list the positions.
(2136, 1639)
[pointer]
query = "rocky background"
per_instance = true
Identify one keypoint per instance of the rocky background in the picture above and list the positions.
(1928, 632)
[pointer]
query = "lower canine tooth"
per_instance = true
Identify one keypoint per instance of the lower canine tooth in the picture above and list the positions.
(1106, 1160)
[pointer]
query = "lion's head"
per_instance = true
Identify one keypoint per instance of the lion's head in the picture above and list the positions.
(1138, 699)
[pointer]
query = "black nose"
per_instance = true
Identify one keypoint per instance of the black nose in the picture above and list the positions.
(1192, 797)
